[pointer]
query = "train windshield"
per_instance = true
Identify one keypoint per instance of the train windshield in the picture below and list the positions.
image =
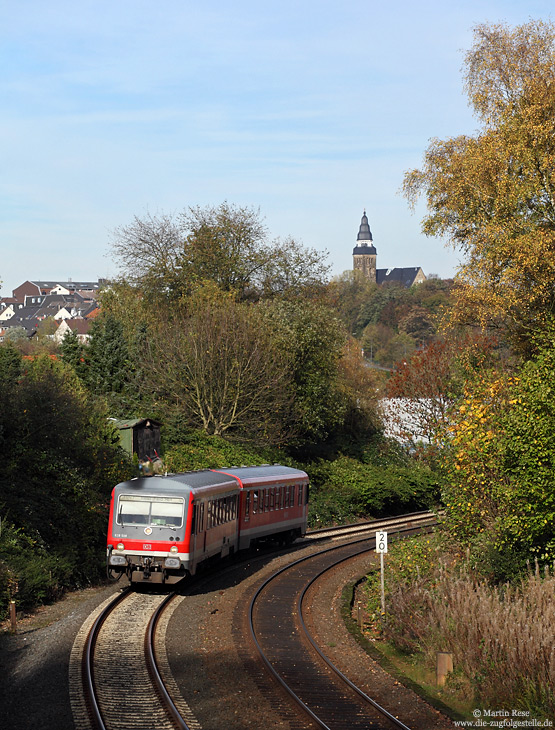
(144, 510)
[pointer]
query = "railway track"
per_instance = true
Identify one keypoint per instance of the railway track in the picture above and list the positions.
(291, 655)
(120, 677)
(358, 528)
(120, 686)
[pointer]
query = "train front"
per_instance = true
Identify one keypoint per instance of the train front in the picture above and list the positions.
(147, 530)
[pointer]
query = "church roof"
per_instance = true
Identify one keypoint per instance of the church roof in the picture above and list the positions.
(364, 232)
(404, 276)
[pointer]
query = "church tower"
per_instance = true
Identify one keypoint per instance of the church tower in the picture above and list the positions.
(364, 253)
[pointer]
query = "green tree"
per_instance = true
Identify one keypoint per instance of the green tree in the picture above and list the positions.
(314, 339)
(72, 352)
(492, 194)
(168, 256)
(221, 370)
(500, 458)
(60, 460)
(109, 368)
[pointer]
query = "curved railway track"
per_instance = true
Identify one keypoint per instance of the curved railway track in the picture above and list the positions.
(411, 519)
(292, 656)
(122, 686)
(115, 679)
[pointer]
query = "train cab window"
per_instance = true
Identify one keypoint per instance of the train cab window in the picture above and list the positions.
(248, 504)
(300, 495)
(136, 509)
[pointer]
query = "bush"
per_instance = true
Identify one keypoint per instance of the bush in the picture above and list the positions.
(198, 450)
(347, 489)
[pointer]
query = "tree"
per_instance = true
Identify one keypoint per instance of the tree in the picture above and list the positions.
(72, 352)
(221, 369)
(314, 339)
(425, 385)
(60, 460)
(493, 195)
(228, 245)
(108, 368)
(348, 293)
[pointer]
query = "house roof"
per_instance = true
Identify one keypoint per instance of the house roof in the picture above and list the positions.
(404, 276)
(122, 423)
(78, 325)
(93, 312)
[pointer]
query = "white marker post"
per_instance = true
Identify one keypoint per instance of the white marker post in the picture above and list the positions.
(381, 548)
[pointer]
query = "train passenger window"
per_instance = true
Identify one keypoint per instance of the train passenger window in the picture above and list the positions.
(254, 501)
(248, 504)
(266, 500)
(282, 497)
(300, 495)
(272, 495)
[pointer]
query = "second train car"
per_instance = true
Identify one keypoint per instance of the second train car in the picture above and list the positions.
(162, 528)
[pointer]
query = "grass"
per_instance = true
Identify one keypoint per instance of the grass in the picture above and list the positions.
(502, 637)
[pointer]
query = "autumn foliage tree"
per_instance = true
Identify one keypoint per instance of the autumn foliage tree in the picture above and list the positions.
(498, 492)
(493, 194)
(425, 386)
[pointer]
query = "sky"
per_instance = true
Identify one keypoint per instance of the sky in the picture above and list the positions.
(310, 111)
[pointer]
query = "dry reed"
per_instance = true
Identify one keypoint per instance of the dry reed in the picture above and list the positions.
(502, 638)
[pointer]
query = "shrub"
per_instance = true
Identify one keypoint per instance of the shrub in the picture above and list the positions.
(347, 489)
(199, 450)
(504, 649)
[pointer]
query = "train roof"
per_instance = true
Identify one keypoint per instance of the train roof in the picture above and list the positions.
(178, 483)
(272, 472)
(219, 479)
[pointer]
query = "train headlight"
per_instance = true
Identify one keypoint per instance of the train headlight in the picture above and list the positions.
(173, 549)
(120, 546)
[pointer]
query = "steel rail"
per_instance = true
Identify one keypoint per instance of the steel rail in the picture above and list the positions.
(326, 659)
(88, 662)
(268, 664)
(152, 665)
(354, 526)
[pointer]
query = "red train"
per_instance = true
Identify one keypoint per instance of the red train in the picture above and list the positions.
(162, 528)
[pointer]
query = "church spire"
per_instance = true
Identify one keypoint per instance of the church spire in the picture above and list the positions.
(364, 232)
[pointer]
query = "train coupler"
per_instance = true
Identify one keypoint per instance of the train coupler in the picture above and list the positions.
(146, 568)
